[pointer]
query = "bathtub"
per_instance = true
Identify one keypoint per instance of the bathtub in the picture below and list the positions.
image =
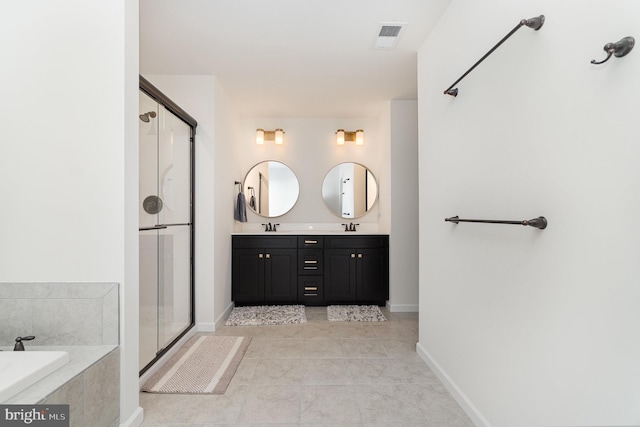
(20, 369)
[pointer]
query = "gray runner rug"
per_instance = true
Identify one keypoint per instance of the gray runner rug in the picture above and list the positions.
(355, 313)
(204, 365)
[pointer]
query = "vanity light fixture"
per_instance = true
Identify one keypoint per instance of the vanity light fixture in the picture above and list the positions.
(343, 136)
(269, 135)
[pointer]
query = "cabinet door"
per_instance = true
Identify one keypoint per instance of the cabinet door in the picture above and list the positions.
(340, 276)
(281, 275)
(372, 276)
(248, 276)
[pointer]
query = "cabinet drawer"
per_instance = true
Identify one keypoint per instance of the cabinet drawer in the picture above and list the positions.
(310, 242)
(310, 261)
(341, 242)
(259, 241)
(310, 290)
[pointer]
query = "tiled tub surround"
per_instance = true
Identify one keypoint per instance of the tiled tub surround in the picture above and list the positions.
(89, 384)
(59, 313)
(81, 319)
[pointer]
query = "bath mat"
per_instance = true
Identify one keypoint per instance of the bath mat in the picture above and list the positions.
(267, 315)
(355, 313)
(204, 365)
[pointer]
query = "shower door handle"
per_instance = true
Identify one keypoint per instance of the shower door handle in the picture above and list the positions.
(155, 227)
(163, 226)
(174, 225)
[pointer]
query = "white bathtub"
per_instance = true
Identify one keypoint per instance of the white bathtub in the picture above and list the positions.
(20, 369)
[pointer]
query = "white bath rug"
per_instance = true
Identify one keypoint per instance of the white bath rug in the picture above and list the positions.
(355, 313)
(204, 365)
(267, 315)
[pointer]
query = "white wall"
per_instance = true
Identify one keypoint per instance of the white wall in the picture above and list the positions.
(130, 411)
(68, 165)
(403, 162)
(227, 168)
(60, 209)
(532, 327)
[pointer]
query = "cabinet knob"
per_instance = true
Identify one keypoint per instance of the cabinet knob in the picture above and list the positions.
(268, 256)
(353, 255)
(260, 256)
(359, 255)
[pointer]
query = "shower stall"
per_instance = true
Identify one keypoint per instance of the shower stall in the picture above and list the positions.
(166, 223)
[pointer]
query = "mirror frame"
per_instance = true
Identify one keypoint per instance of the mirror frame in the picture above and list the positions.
(377, 192)
(247, 194)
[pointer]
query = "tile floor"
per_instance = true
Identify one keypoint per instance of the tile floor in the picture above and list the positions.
(320, 373)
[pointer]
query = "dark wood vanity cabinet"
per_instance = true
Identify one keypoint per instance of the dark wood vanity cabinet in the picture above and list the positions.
(310, 270)
(264, 270)
(356, 270)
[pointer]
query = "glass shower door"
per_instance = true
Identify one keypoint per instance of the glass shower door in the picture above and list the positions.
(165, 229)
(174, 250)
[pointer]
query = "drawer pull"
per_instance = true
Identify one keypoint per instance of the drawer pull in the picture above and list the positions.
(310, 288)
(311, 262)
(310, 268)
(310, 295)
(310, 242)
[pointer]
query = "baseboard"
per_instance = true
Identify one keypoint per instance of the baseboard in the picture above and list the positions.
(223, 317)
(165, 357)
(135, 420)
(471, 410)
(206, 327)
(403, 308)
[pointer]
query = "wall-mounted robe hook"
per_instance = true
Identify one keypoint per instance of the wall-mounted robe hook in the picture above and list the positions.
(618, 49)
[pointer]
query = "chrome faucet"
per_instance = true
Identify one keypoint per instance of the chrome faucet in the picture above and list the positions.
(19, 345)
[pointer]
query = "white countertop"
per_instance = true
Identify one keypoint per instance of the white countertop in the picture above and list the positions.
(331, 229)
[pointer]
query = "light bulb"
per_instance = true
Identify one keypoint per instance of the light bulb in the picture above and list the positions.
(279, 136)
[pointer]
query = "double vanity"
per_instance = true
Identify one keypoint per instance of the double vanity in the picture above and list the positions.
(310, 269)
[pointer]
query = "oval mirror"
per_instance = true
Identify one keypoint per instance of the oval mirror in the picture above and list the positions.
(271, 189)
(349, 190)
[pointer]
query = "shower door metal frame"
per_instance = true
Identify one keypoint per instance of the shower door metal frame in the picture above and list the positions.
(154, 93)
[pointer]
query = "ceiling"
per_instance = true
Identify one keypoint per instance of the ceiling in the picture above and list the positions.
(290, 58)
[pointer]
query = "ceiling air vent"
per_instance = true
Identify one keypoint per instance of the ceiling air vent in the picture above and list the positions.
(388, 34)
